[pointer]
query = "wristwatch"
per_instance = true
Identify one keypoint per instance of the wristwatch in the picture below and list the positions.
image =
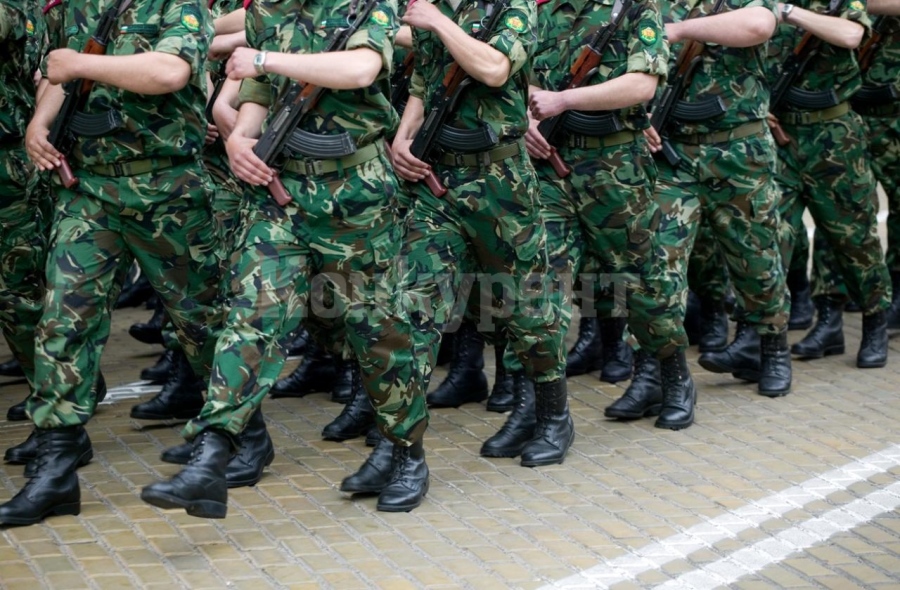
(259, 63)
(785, 11)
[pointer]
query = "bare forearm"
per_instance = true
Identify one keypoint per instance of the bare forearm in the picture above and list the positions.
(618, 93)
(831, 29)
(403, 38)
(478, 59)
(413, 116)
(158, 73)
(888, 7)
(744, 27)
(231, 22)
(341, 70)
(250, 119)
(48, 105)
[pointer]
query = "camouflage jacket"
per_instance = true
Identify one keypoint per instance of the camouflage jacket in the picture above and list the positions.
(504, 108)
(218, 9)
(52, 17)
(638, 45)
(21, 37)
(172, 125)
(884, 69)
(832, 67)
(308, 27)
(735, 74)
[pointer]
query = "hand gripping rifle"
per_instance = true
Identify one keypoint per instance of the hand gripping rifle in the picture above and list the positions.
(665, 110)
(552, 128)
(298, 100)
(78, 91)
(793, 67)
(425, 145)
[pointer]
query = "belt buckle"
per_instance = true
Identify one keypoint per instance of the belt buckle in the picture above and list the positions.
(118, 169)
(485, 158)
(579, 141)
(459, 160)
(313, 167)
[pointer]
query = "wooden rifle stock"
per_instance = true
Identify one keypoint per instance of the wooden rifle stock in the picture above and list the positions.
(867, 51)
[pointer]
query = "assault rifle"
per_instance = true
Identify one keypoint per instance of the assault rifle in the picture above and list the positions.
(668, 108)
(425, 144)
(873, 96)
(400, 82)
(77, 93)
(298, 100)
(553, 128)
(783, 90)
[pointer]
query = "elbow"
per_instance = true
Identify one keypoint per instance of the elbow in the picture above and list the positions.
(852, 39)
(648, 89)
(763, 27)
(367, 77)
(171, 80)
(496, 76)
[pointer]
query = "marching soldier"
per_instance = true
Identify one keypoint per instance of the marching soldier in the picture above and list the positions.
(140, 194)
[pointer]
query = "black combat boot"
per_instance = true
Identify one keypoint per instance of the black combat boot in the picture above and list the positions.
(17, 413)
(643, 398)
(679, 393)
(518, 430)
(27, 452)
(445, 350)
(53, 488)
(873, 347)
(317, 373)
(713, 326)
(298, 346)
(740, 358)
(586, 355)
(802, 308)
(181, 398)
(357, 417)
(774, 365)
(554, 431)
(408, 483)
(373, 436)
(159, 373)
(255, 452)
(200, 488)
(136, 290)
(618, 358)
(375, 474)
(150, 332)
(893, 313)
(502, 398)
(342, 392)
(11, 368)
(692, 318)
(466, 381)
(827, 336)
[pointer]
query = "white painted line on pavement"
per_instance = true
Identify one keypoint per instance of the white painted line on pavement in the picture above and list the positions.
(731, 524)
(129, 391)
(774, 549)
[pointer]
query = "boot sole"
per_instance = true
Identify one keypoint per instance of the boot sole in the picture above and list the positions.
(747, 375)
(362, 490)
(198, 508)
(615, 378)
(800, 325)
(714, 367)
(774, 393)
(73, 509)
(499, 408)
(653, 410)
(250, 481)
(347, 435)
(150, 416)
(715, 348)
(501, 453)
(876, 365)
(828, 351)
(675, 425)
(575, 372)
(16, 416)
(403, 507)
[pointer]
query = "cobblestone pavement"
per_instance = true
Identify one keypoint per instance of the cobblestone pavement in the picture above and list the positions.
(795, 492)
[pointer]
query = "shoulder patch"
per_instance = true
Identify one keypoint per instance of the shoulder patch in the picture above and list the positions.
(380, 17)
(647, 33)
(857, 5)
(29, 27)
(50, 5)
(190, 18)
(516, 21)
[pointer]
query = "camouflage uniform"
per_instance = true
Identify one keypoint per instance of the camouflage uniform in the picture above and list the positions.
(23, 243)
(341, 226)
(490, 217)
(726, 177)
(883, 134)
(141, 195)
(824, 167)
(604, 209)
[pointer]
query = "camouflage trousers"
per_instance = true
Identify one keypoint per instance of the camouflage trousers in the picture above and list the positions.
(884, 150)
(340, 234)
(23, 246)
(707, 271)
(824, 169)
(729, 186)
(162, 220)
(488, 220)
(603, 215)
